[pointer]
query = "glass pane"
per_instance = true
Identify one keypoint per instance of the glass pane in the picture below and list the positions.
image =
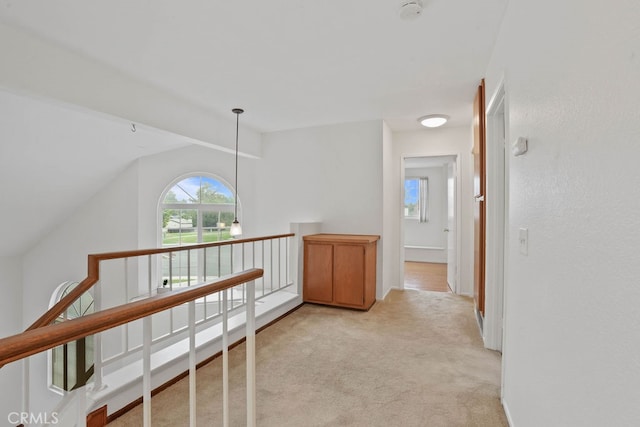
(71, 361)
(225, 260)
(411, 197)
(179, 227)
(88, 358)
(179, 269)
(57, 365)
(213, 191)
(200, 189)
(71, 365)
(186, 191)
(211, 263)
(215, 226)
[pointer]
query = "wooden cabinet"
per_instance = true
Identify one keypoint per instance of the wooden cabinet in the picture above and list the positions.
(340, 270)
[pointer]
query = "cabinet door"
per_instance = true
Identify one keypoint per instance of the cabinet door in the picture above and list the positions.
(348, 275)
(318, 274)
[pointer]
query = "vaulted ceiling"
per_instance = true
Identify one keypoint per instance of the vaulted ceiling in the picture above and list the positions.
(70, 67)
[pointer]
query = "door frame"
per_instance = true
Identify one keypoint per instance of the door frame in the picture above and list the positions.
(457, 157)
(452, 227)
(479, 152)
(497, 218)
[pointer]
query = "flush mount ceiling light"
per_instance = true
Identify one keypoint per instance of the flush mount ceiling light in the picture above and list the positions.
(410, 9)
(433, 120)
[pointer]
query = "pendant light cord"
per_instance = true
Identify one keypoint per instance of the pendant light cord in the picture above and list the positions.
(236, 198)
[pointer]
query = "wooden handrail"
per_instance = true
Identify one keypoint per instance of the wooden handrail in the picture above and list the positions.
(34, 341)
(93, 273)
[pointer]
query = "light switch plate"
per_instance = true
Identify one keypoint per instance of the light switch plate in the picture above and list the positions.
(523, 236)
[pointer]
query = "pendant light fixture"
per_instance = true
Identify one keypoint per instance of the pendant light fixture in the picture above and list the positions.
(236, 229)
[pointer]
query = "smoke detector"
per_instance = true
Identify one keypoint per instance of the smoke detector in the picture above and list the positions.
(410, 9)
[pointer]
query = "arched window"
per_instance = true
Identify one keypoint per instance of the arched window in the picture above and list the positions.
(195, 209)
(71, 364)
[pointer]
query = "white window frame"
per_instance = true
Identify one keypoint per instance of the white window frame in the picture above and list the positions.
(422, 208)
(199, 207)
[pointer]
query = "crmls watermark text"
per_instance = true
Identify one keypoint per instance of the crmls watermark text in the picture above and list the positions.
(33, 418)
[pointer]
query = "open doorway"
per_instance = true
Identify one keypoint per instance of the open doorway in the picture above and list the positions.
(429, 231)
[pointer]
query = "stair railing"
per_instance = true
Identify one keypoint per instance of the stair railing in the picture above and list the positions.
(270, 253)
(43, 338)
(93, 270)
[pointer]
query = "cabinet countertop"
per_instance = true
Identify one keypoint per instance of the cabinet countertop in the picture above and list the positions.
(342, 238)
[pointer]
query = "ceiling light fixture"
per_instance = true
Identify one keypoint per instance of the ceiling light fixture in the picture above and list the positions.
(236, 229)
(410, 9)
(433, 120)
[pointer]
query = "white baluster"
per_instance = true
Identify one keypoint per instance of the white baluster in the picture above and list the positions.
(80, 397)
(124, 336)
(97, 340)
(251, 354)
(146, 371)
(25, 384)
(149, 284)
(192, 363)
(264, 286)
(279, 263)
(225, 361)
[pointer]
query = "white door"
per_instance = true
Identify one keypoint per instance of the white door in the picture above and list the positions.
(452, 265)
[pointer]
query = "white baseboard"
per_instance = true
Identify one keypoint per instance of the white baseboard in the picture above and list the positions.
(434, 248)
(505, 406)
(425, 254)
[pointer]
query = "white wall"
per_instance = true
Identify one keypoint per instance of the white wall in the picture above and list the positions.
(106, 223)
(121, 216)
(391, 211)
(10, 324)
(443, 142)
(329, 174)
(572, 321)
(428, 234)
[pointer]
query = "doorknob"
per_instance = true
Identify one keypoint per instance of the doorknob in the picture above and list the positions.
(479, 198)
(446, 230)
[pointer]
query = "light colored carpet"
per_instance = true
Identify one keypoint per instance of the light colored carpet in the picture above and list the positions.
(415, 359)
